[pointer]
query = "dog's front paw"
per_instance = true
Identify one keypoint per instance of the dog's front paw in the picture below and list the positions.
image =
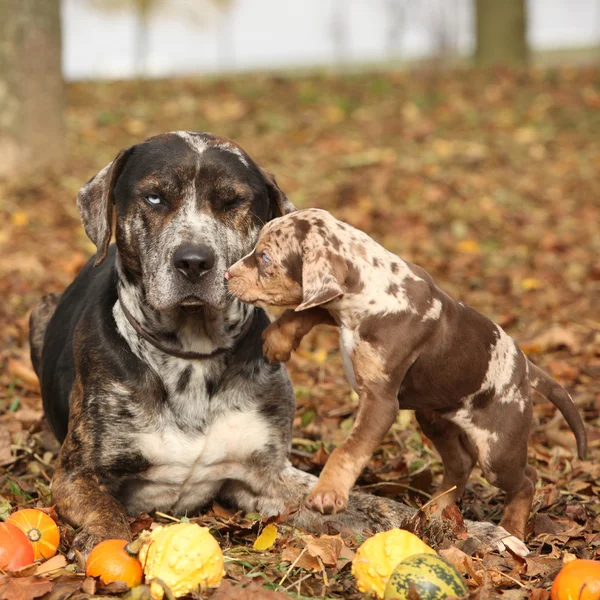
(81, 547)
(326, 501)
(91, 535)
(277, 346)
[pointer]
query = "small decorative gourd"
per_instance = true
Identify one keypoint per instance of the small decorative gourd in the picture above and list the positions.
(579, 579)
(112, 561)
(184, 556)
(378, 556)
(40, 529)
(16, 550)
(429, 575)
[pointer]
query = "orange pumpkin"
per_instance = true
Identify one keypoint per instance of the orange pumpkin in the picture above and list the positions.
(15, 549)
(578, 580)
(111, 561)
(40, 529)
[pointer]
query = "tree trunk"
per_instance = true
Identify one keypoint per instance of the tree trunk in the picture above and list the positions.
(32, 130)
(501, 32)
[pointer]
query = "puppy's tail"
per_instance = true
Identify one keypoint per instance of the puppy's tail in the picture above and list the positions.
(546, 386)
(38, 321)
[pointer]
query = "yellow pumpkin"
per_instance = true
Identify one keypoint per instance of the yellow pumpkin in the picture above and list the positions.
(376, 559)
(184, 556)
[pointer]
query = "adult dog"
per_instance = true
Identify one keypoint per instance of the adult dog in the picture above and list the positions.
(153, 376)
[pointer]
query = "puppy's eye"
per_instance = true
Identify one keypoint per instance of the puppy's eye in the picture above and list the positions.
(153, 199)
(265, 258)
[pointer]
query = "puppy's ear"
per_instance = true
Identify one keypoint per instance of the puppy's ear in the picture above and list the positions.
(279, 203)
(95, 202)
(323, 277)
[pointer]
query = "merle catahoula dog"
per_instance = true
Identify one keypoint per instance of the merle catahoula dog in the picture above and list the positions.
(405, 344)
(153, 376)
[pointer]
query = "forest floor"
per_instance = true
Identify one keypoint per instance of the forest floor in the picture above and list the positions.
(489, 180)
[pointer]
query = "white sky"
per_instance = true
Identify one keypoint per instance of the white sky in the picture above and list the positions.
(280, 33)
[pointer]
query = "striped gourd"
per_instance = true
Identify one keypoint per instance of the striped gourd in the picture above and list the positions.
(430, 575)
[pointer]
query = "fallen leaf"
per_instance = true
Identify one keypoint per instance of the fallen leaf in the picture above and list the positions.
(52, 564)
(228, 591)
(19, 369)
(6, 457)
(454, 516)
(326, 547)
(468, 247)
(266, 538)
(300, 558)
(531, 283)
(89, 586)
(23, 588)
(20, 219)
(463, 562)
(553, 338)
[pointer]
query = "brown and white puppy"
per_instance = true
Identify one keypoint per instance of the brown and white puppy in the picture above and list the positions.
(152, 375)
(405, 344)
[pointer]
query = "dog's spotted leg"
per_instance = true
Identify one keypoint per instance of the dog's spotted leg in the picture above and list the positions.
(84, 503)
(500, 430)
(285, 334)
(458, 455)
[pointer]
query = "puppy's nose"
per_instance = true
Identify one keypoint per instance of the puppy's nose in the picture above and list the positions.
(193, 261)
(227, 276)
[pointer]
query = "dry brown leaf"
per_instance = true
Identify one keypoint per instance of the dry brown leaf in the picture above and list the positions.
(228, 591)
(454, 516)
(552, 339)
(23, 588)
(6, 457)
(52, 564)
(326, 547)
(22, 370)
(463, 562)
(89, 586)
(306, 561)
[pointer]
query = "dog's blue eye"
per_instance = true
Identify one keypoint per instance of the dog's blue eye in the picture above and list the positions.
(153, 199)
(265, 258)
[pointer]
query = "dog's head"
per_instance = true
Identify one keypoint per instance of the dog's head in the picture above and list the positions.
(298, 262)
(187, 206)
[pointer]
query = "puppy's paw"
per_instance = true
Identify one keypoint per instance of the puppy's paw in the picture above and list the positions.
(326, 501)
(277, 346)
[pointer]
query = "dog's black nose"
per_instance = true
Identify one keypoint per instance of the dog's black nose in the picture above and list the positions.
(193, 260)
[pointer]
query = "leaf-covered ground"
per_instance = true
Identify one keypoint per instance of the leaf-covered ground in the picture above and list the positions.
(489, 180)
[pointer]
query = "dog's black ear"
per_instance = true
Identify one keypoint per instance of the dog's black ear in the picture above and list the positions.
(279, 203)
(95, 202)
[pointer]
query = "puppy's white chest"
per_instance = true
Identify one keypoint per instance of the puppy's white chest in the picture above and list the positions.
(348, 339)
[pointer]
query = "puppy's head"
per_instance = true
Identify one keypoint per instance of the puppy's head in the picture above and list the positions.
(297, 263)
(187, 205)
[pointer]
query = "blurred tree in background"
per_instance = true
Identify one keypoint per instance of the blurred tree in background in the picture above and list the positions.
(32, 129)
(501, 32)
(194, 10)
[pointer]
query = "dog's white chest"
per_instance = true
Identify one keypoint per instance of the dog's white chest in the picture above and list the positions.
(348, 340)
(188, 467)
